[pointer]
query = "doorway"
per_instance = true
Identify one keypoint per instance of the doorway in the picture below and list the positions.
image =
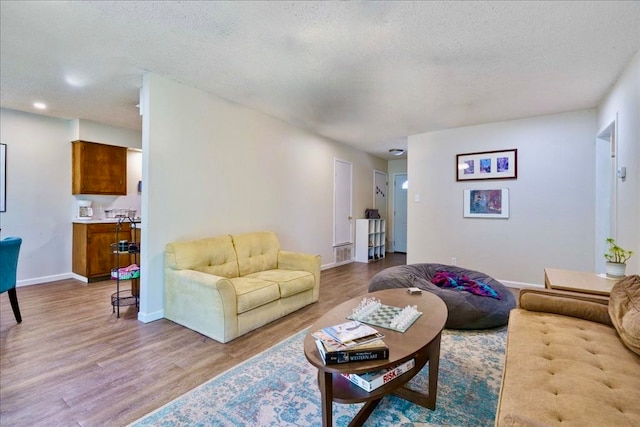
(606, 190)
(400, 190)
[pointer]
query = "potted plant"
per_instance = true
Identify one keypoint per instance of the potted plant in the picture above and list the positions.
(616, 259)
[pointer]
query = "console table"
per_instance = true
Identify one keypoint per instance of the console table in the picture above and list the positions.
(577, 281)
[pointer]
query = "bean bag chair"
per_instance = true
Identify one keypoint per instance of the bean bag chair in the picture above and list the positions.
(467, 310)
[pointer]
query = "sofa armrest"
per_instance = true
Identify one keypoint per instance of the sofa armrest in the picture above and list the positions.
(573, 304)
(203, 302)
(288, 260)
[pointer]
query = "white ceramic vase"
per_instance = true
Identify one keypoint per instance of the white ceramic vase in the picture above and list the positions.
(615, 269)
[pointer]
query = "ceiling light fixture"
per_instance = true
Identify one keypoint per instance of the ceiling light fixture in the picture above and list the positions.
(40, 105)
(396, 151)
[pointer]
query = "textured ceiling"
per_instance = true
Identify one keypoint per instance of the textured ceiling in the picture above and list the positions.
(364, 73)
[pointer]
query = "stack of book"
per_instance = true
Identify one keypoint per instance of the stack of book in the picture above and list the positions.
(350, 342)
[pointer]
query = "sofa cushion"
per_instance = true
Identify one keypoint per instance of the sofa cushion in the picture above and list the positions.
(252, 293)
(560, 369)
(256, 251)
(624, 309)
(291, 282)
(214, 255)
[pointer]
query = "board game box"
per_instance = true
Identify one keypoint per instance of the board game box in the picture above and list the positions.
(373, 380)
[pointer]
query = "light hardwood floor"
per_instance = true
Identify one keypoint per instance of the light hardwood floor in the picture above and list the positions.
(72, 362)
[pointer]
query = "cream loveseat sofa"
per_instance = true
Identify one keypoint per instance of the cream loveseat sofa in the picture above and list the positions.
(573, 359)
(226, 286)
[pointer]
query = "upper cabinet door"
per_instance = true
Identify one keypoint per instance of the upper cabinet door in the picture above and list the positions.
(98, 169)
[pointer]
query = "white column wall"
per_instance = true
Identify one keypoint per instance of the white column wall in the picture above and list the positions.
(211, 167)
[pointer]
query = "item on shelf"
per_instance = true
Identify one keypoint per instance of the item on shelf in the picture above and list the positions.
(350, 331)
(377, 350)
(389, 317)
(126, 273)
(371, 214)
(373, 380)
(133, 247)
(123, 246)
(120, 213)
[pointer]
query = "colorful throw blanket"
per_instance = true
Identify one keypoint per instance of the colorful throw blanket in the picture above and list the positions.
(445, 279)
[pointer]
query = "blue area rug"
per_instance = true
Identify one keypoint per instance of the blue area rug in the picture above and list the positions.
(278, 387)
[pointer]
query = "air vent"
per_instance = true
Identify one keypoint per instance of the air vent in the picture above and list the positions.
(343, 253)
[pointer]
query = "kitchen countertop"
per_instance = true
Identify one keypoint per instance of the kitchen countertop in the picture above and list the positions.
(105, 221)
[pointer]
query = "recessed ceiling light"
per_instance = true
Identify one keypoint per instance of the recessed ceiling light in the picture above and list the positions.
(396, 151)
(40, 105)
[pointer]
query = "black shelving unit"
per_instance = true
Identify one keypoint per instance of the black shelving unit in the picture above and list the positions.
(125, 297)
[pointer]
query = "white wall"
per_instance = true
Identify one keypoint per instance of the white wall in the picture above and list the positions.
(552, 209)
(212, 168)
(623, 102)
(88, 130)
(39, 200)
(40, 206)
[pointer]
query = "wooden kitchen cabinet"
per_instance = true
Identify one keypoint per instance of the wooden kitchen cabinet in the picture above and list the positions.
(98, 169)
(92, 249)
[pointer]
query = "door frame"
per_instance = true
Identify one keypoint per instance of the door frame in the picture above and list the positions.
(336, 201)
(395, 210)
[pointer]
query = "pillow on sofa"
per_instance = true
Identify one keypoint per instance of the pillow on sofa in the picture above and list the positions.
(624, 309)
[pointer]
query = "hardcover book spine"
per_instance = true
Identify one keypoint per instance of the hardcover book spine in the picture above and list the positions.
(337, 357)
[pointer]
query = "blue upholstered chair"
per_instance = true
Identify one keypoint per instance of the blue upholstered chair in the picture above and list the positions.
(9, 250)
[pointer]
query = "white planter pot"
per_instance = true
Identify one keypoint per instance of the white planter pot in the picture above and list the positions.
(615, 269)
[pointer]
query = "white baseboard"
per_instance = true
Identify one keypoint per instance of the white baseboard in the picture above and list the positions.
(335, 264)
(150, 317)
(47, 279)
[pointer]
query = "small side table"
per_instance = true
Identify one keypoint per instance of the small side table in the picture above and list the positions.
(578, 281)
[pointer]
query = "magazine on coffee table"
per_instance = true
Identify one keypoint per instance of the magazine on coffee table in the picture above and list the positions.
(351, 331)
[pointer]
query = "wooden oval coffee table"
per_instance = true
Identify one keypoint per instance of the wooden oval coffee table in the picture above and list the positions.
(420, 342)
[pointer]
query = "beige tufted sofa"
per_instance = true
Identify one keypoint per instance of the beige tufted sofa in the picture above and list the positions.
(226, 286)
(567, 365)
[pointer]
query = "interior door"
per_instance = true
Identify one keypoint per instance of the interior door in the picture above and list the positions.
(342, 205)
(400, 190)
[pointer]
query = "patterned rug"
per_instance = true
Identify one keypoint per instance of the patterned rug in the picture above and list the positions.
(278, 388)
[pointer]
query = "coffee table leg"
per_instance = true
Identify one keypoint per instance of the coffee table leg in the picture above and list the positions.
(325, 384)
(434, 362)
(427, 400)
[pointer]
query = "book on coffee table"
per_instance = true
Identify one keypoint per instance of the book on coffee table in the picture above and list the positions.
(373, 380)
(376, 350)
(337, 345)
(350, 331)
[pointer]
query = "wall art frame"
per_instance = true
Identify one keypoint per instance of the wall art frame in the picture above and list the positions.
(487, 165)
(492, 203)
(3, 177)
